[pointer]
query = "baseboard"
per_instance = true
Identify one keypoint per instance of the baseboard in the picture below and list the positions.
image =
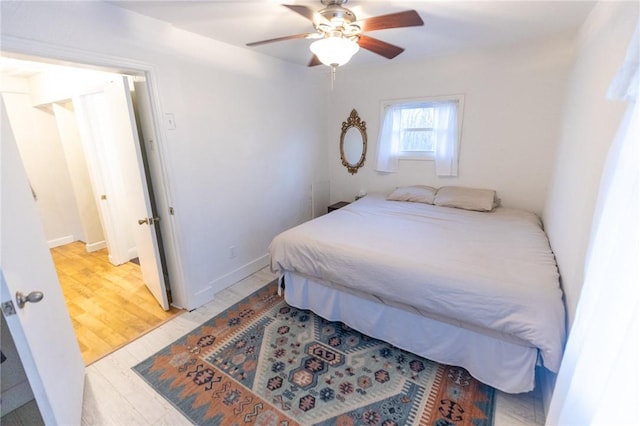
(15, 397)
(226, 280)
(91, 247)
(132, 253)
(56, 242)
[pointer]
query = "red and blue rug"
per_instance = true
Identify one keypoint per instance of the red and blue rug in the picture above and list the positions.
(264, 362)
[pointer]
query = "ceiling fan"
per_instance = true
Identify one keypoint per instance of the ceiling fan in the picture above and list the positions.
(338, 34)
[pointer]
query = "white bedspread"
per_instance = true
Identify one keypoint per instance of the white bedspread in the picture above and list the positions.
(492, 271)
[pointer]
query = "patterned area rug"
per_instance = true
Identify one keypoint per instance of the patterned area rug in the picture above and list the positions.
(264, 362)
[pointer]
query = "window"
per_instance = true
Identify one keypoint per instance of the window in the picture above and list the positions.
(417, 132)
(421, 129)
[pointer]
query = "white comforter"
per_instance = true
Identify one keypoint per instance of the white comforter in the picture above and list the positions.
(492, 271)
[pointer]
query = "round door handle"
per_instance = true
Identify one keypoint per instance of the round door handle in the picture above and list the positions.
(148, 220)
(33, 297)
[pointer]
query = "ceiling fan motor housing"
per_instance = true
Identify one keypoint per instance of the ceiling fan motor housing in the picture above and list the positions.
(333, 2)
(337, 19)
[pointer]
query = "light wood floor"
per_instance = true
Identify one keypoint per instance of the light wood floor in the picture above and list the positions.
(109, 305)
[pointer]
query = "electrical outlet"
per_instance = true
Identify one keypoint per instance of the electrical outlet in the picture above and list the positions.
(232, 252)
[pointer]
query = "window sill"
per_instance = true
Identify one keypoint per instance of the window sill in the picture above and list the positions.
(418, 158)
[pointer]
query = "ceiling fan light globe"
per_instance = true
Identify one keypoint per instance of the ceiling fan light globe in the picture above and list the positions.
(334, 51)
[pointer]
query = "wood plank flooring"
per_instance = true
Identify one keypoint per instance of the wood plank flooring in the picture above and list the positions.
(115, 395)
(109, 305)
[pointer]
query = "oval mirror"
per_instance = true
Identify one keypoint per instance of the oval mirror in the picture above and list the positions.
(353, 142)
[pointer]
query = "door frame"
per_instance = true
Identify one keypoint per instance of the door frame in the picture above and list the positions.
(63, 55)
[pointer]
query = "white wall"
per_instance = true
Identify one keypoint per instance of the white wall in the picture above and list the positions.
(590, 125)
(46, 130)
(513, 100)
(79, 172)
(590, 122)
(249, 140)
(37, 137)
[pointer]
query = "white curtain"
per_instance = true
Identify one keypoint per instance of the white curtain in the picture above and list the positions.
(446, 126)
(447, 139)
(389, 140)
(599, 376)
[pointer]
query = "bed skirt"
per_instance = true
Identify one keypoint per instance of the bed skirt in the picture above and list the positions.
(506, 366)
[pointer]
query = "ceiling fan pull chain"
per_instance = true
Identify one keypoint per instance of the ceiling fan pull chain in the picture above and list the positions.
(333, 74)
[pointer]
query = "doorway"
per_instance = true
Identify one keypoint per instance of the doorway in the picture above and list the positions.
(69, 178)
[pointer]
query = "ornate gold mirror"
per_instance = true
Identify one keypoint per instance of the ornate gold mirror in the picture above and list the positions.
(353, 142)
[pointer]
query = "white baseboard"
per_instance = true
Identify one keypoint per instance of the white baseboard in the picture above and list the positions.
(219, 284)
(91, 247)
(132, 253)
(15, 397)
(61, 241)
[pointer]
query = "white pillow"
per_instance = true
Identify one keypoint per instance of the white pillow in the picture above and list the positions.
(416, 193)
(483, 200)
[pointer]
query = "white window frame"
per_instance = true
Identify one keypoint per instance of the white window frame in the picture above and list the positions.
(417, 155)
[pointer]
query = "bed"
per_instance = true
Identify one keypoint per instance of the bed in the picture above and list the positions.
(474, 289)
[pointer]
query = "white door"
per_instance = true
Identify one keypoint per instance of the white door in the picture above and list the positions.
(42, 331)
(127, 146)
(95, 129)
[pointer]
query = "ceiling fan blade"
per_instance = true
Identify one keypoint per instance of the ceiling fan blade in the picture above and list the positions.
(314, 61)
(380, 47)
(272, 40)
(409, 18)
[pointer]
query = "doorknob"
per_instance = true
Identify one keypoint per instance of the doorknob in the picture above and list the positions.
(33, 297)
(148, 220)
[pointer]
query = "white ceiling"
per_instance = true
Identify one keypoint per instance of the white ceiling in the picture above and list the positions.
(450, 26)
